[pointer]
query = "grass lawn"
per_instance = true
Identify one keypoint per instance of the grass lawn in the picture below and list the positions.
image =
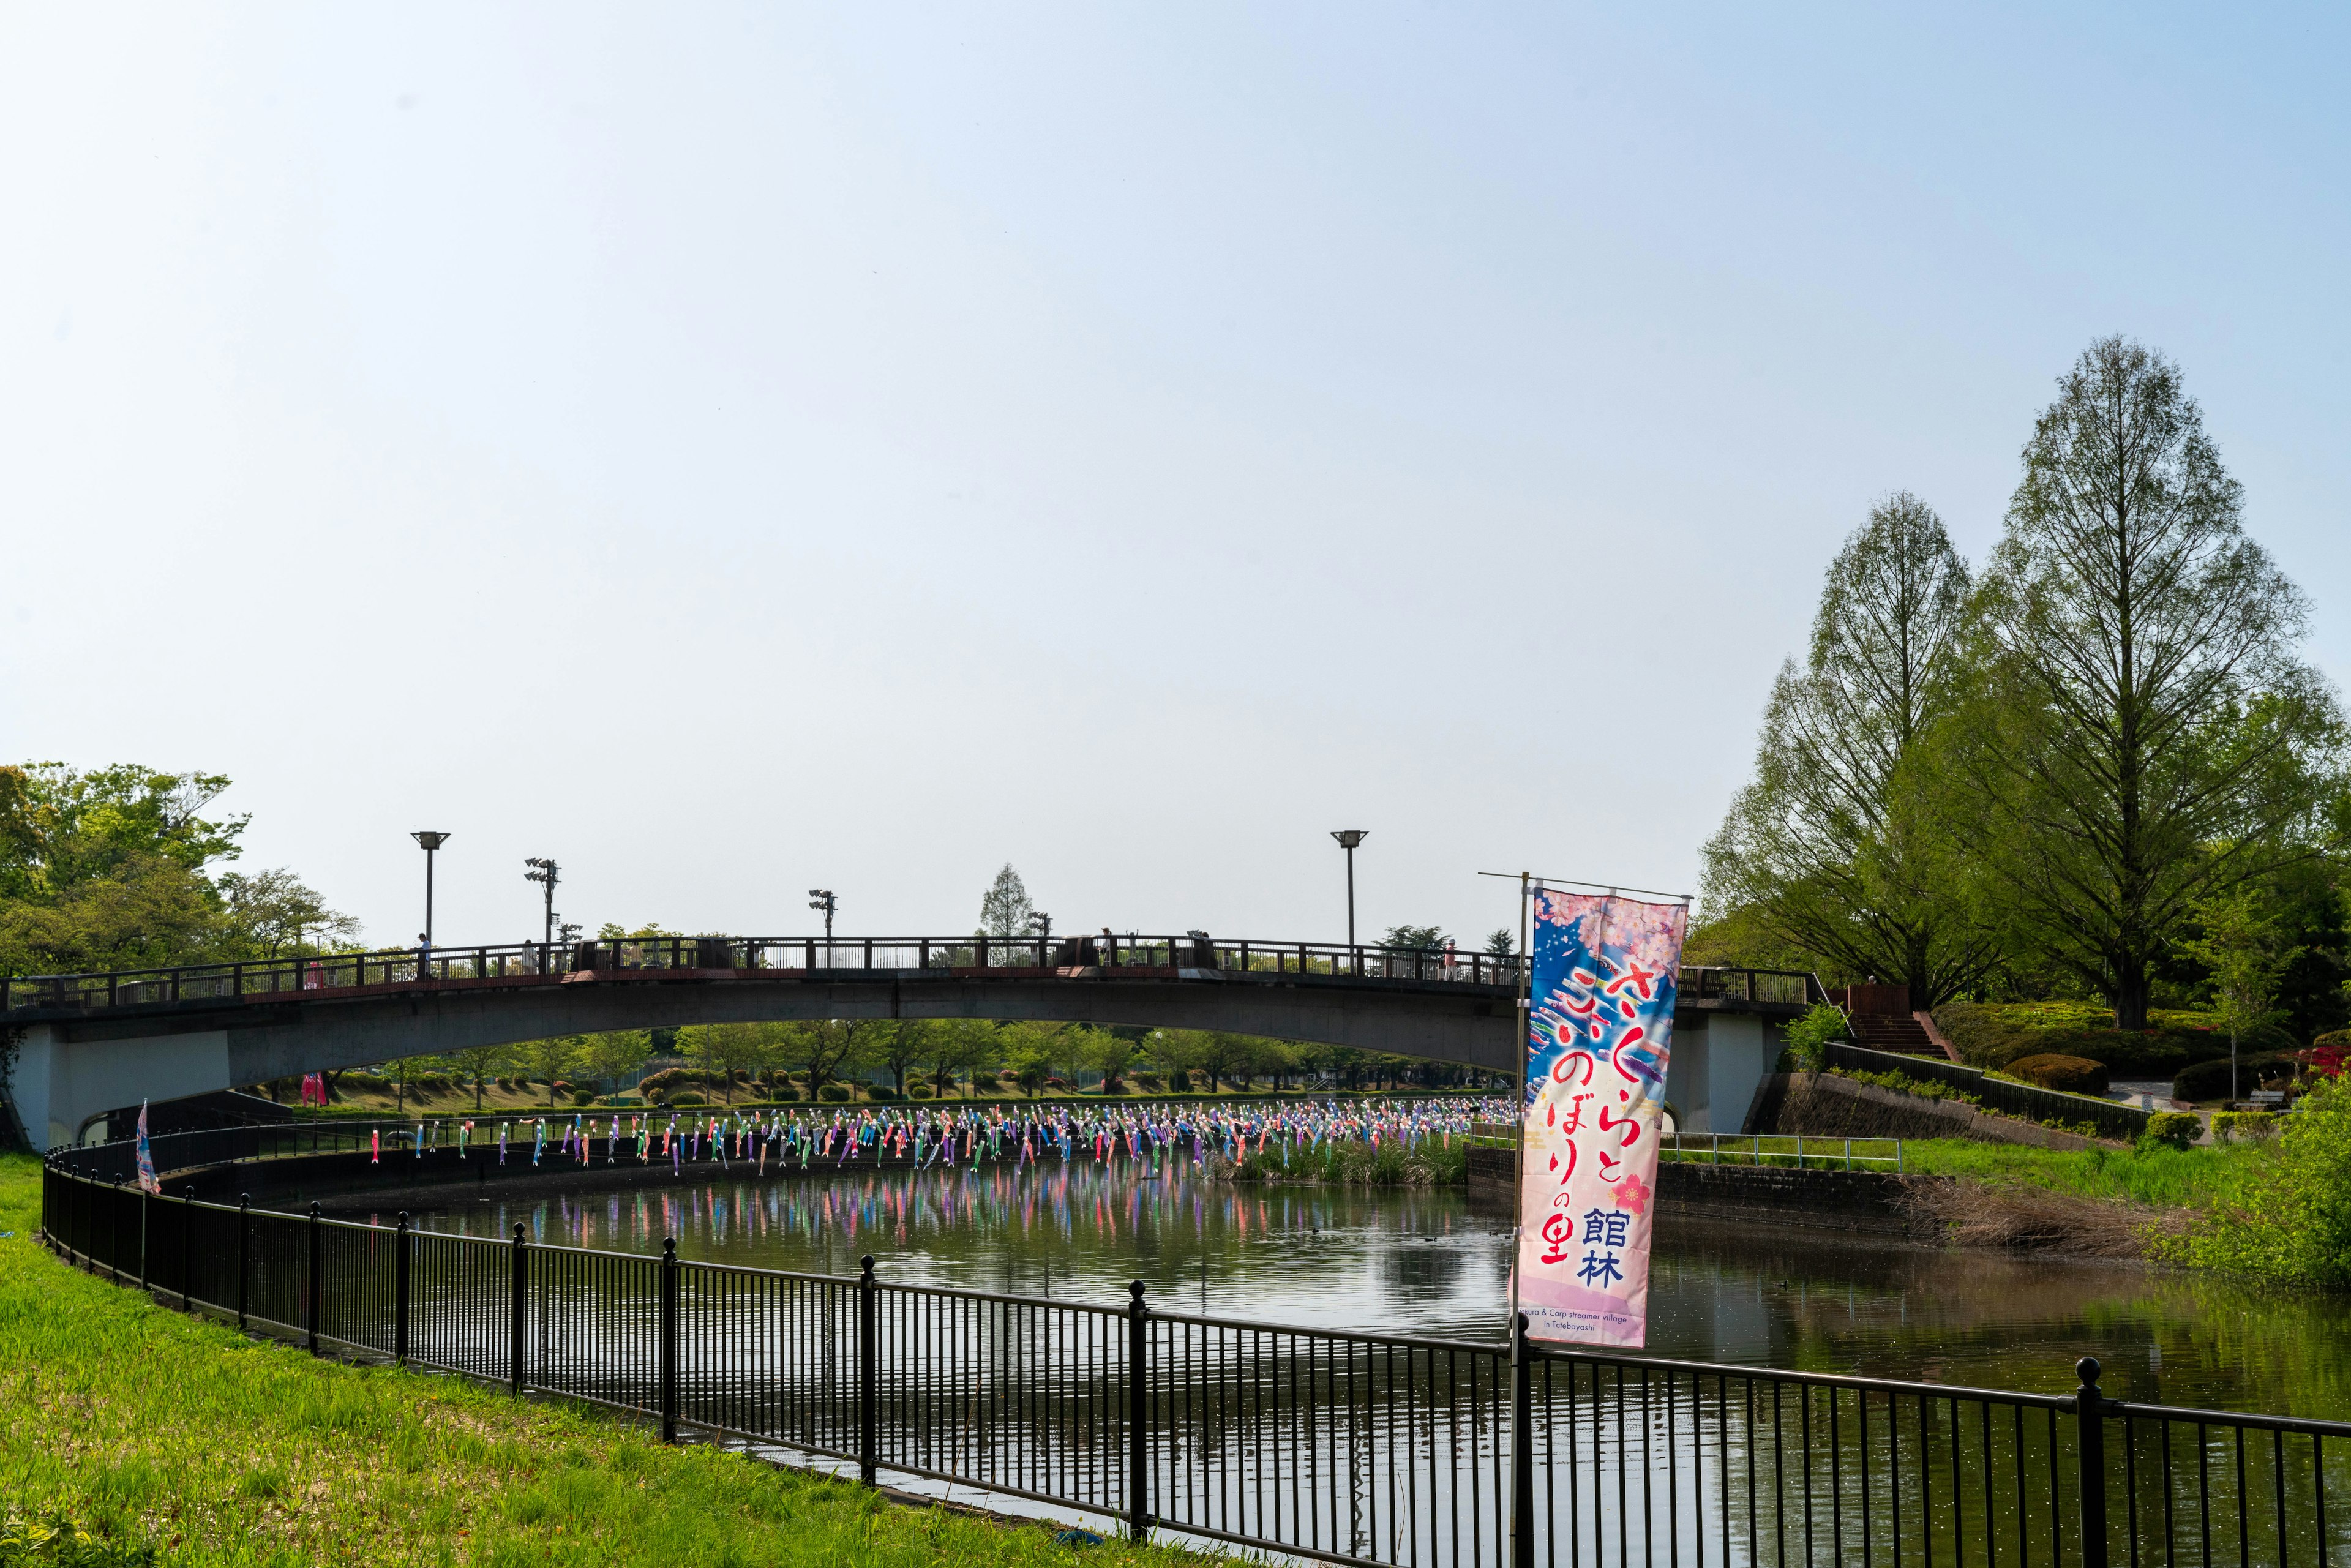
(2160, 1177)
(155, 1431)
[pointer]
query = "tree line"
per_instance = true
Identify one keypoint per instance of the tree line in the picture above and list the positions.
(113, 868)
(908, 1057)
(2094, 764)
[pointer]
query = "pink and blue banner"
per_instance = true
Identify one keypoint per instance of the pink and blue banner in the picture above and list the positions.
(1601, 1031)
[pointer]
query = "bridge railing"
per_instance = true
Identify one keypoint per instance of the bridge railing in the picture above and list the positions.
(1107, 954)
(1345, 1447)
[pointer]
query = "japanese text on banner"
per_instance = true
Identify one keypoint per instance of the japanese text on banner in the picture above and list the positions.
(1599, 1032)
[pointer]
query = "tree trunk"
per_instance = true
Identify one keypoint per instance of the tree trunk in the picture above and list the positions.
(2130, 995)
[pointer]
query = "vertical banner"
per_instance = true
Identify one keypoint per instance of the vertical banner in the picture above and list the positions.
(1601, 1020)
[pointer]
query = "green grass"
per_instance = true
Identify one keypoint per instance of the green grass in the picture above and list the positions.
(153, 1431)
(2162, 1177)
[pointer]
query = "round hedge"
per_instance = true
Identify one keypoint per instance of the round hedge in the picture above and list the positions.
(2072, 1074)
(2209, 1080)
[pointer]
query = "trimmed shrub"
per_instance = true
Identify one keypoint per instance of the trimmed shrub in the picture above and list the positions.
(2209, 1080)
(1994, 1036)
(882, 1093)
(783, 1094)
(2177, 1128)
(685, 1097)
(2070, 1074)
(919, 1091)
(583, 1096)
(2244, 1126)
(833, 1093)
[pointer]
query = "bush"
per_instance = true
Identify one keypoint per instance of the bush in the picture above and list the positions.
(2209, 1080)
(2248, 1126)
(1807, 1038)
(583, 1096)
(2291, 1220)
(919, 1091)
(833, 1093)
(1994, 1036)
(783, 1094)
(882, 1093)
(2177, 1128)
(2069, 1074)
(684, 1097)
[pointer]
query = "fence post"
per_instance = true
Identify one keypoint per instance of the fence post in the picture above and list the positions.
(188, 1249)
(1522, 1448)
(868, 1351)
(669, 1338)
(310, 1288)
(143, 1227)
(1138, 1413)
(2090, 1449)
(517, 1345)
(399, 1290)
(243, 1256)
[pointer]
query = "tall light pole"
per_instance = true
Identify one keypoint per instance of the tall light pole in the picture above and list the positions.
(1348, 839)
(544, 871)
(821, 898)
(431, 842)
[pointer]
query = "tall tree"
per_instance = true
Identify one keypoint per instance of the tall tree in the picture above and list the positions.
(2245, 957)
(2145, 737)
(1833, 848)
(1005, 910)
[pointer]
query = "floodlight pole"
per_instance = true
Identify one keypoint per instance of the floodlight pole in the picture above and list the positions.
(1348, 839)
(431, 842)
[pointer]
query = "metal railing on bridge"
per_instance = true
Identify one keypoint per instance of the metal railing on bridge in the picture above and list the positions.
(1343, 1447)
(1108, 955)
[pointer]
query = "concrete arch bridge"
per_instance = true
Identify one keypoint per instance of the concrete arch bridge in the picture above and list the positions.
(85, 1044)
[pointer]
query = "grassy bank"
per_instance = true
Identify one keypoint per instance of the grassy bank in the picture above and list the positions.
(2157, 1177)
(175, 1436)
(1351, 1164)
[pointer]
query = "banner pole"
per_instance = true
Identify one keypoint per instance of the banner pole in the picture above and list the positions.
(1522, 1543)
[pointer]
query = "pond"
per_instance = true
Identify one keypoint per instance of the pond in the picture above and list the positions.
(1431, 1262)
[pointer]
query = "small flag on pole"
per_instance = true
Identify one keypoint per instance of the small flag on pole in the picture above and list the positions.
(147, 1182)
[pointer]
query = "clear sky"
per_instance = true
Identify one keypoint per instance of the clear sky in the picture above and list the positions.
(736, 450)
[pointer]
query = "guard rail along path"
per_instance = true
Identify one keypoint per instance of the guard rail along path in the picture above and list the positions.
(1308, 1444)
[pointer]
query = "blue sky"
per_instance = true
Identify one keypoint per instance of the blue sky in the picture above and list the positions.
(738, 449)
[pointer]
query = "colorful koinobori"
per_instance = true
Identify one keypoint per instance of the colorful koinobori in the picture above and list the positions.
(1600, 1019)
(1273, 1134)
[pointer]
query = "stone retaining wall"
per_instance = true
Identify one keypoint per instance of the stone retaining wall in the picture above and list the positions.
(1823, 1105)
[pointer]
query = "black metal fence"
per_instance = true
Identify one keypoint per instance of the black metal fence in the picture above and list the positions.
(1306, 1443)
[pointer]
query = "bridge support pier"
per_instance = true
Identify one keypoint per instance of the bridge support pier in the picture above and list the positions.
(57, 1086)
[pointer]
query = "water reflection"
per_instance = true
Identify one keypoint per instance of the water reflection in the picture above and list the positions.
(1423, 1262)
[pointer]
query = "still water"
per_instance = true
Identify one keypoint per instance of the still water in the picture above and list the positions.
(1435, 1263)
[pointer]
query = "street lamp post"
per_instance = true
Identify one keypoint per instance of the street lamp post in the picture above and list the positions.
(431, 842)
(544, 871)
(1348, 839)
(821, 898)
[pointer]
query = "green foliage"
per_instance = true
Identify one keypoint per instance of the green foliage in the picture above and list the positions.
(1994, 1036)
(1903, 1084)
(59, 1540)
(833, 1093)
(2068, 1074)
(1833, 850)
(1006, 912)
(2136, 733)
(1808, 1038)
(2244, 958)
(2291, 1217)
(2209, 1080)
(1408, 937)
(2244, 1126)
(2177, 1129)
